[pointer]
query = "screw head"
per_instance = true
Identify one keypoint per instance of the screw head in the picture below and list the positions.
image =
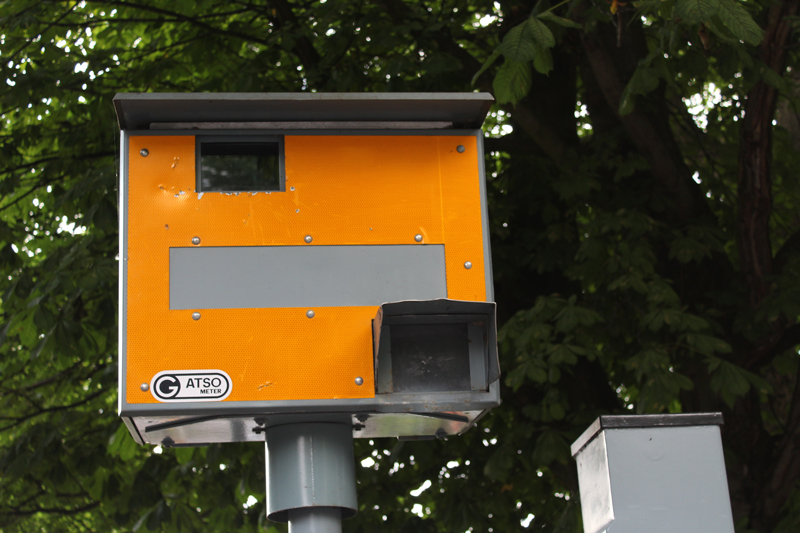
(145, 387)
(467, 265)
(418, 238)
(308, 239)
(359, 381)
(195, 240)
(144, 152)
(195, 316)
(461, 149)
(310, 313)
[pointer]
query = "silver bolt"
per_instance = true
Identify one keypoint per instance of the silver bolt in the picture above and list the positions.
(195, 316)
(467, 265)
(308, 239)
(418, 238)
(359, 381)
(310, 313)
(195, 240)
(144, 152)
(461, 149)
(145, 387)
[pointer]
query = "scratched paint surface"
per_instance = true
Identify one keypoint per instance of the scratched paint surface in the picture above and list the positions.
(340, 190)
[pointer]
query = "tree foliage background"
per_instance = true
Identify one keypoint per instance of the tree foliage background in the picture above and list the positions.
(645, 231)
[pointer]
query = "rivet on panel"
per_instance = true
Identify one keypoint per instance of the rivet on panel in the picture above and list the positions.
(308, 239)
(145, 387)
(195, 240)
(195, 316)
(144, 152)
(461, 149)
(418, 237)
(359, 381)
(467, 265)
(310, 313)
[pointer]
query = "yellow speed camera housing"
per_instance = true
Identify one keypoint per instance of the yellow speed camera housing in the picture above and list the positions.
(263, 235)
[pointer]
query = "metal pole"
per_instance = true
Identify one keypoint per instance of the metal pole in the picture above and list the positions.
(310, 476)
(315, 520)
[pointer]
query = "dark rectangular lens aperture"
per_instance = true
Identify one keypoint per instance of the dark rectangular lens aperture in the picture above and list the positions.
(239, 166)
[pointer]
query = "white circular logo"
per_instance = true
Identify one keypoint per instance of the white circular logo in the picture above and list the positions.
(190, 386)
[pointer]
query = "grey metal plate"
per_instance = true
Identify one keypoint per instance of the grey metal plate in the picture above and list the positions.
(329, 125)
(136, 111)
(645, 421)
(435, 402)
(243, 277)
(198, 431)
(594, 482)
(668, 479)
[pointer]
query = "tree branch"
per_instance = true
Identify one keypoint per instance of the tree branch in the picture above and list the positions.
(522, 114)
(773, 346)
(755, 158)
(786, 470)
(651, 136)
(30, 41)
(186, 19)
(50, 510)
(304, 48)
(20, 419)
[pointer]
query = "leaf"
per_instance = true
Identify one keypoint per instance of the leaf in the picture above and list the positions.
(572, 315)
(694, 322)
(644, 80)
(543, 60)
(519, 44)
(721, 31)
(707, 344)
(183, 455)
(562, 354)
(500, 463)
(516, 377)
(770, 77)
(39, 347)
(550, 447)
(121, 444)
(544, 37)
(537, 374)
(686, 250)
(653, 320)
(4, 332)
(739, 21)
(557, 411)
(548, 15)
(730, 381)
(512, 82)
(486, 64)
(694, 11)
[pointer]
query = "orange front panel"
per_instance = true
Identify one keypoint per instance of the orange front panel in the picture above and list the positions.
(355, 190)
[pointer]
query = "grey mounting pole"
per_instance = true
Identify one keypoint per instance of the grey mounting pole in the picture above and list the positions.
(311, 481)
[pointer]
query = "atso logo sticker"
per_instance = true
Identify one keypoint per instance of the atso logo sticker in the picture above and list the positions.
(190, 386)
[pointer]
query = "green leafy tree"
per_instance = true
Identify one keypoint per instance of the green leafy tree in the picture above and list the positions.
(645, 232)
